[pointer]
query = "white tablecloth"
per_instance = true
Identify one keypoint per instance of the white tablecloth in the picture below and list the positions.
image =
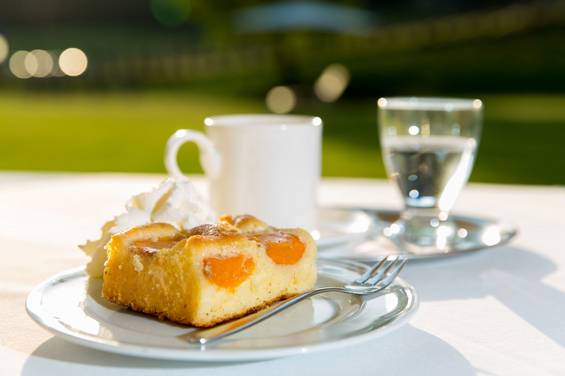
(495, 312)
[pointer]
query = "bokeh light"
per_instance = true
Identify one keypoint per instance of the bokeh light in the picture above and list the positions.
(43, 63)
(30, 63)
(477, 103)
(332, 83)
(17, 64)
(4, 48)
(281, 99)
(73, 62)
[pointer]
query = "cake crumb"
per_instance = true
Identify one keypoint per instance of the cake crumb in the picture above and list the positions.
(137, 264)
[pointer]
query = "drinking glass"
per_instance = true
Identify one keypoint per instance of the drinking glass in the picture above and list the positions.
(428, 146)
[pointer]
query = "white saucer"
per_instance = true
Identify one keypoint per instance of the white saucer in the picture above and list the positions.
(69, 305)
(341, 225)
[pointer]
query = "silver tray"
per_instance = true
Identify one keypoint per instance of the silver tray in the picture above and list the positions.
(475, 233)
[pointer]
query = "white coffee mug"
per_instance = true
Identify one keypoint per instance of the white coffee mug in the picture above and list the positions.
(264, 165)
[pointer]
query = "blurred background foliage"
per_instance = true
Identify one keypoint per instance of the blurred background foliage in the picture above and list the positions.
(100, 85)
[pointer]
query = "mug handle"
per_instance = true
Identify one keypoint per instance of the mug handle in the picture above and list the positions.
(209, 157)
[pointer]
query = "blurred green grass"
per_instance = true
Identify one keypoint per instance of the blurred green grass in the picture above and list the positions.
(522, 140)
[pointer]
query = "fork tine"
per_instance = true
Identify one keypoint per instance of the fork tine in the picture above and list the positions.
(379, 272)
(369, 273)
(382, 272)
(390, 274)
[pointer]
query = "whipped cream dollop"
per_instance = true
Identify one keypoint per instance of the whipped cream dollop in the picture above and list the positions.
(174, 201)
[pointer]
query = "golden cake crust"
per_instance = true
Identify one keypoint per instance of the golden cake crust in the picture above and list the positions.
(159, 270)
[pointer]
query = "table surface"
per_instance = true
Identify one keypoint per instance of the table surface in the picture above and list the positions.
(496, 312)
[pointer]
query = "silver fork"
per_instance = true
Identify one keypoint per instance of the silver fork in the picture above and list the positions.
(374, 280)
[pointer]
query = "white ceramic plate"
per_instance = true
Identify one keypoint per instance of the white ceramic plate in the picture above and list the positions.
(341, 225)
(69, 305)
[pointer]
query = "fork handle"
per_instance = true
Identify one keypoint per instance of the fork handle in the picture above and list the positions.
(207, 336)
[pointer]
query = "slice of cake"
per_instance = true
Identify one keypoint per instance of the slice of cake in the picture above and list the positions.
(209, 274)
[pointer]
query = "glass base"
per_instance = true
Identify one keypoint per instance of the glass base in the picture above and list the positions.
(423, 230)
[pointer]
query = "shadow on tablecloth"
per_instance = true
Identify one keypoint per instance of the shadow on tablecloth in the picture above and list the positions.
(514, 276)
(405, 351)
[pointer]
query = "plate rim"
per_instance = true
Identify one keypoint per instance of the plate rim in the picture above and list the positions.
(40, 316)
